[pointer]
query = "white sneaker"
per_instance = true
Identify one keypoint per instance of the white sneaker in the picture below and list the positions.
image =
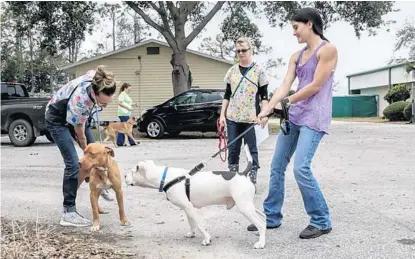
(73, 219)
(107, 195)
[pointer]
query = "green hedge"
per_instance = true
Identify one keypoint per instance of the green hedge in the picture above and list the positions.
(394, 112)
(397, 93)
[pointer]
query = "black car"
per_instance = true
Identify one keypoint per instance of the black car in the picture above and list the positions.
(193, 110)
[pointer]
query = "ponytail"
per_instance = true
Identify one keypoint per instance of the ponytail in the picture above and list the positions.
(323, 38)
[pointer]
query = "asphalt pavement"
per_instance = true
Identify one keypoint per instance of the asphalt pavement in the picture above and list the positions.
(366, 172)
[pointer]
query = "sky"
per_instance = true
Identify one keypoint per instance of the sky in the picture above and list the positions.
(354, 55)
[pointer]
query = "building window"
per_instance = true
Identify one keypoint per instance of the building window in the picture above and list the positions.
(356, 91)
(153, 50)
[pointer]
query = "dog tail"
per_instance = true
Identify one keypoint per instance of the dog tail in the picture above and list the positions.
(249, 160)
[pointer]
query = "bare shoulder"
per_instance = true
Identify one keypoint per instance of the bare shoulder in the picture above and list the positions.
(327, 51)
(294, 56)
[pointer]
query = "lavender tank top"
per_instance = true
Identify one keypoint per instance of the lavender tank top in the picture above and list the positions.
(314, 112)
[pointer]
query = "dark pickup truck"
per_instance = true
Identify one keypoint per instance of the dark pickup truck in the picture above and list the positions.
(22, 117)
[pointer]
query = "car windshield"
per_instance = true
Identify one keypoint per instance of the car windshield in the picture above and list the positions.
(186, 98)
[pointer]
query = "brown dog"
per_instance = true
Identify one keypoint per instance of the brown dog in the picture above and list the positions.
(98, 164)
(125, 128)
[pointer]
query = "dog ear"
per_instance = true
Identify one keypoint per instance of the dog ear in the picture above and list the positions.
(137, 168)
(109, 151)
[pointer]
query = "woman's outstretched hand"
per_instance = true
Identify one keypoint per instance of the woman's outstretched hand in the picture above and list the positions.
(265, 112)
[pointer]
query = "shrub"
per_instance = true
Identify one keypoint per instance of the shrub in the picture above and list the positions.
(397, 93)
(407, 112)
(394, 112)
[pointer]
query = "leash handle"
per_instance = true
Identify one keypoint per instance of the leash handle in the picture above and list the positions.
(222, 141)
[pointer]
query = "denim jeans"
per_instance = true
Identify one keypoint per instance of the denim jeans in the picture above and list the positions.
(234, 129)
(304, 142)
(121, 137)
(63, 137)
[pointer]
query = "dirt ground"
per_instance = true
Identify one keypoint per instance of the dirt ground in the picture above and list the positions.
(366, 172)
(31, 240)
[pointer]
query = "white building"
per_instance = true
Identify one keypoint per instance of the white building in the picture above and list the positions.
(378, 81)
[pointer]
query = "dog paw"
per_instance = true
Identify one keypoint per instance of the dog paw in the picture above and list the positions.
(95, 228)
(190, 235)
(259, 245)
(206, 242)
(124, 222)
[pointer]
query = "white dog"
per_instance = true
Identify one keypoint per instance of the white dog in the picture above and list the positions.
(206, 188)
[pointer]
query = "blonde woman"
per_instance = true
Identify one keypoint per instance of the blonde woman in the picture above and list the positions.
(246, 92)
(66, 116)
(125, 106)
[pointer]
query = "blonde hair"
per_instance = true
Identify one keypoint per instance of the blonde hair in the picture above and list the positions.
(104, 81)
(247, 41)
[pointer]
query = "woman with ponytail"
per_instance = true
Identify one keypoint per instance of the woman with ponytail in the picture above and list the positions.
(310, 111)
(66, 115)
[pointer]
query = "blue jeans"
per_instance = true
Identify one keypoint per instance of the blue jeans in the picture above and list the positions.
(304, 142)
(234, 129)
(121, 137)
(63, 137)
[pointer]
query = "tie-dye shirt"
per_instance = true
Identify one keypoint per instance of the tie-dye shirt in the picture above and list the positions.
(73, 109)
(243, 104)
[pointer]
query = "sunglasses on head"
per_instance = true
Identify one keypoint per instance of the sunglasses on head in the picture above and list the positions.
(241, 50)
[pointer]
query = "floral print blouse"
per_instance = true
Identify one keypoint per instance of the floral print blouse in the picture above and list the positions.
(73, 102)
(243, 103)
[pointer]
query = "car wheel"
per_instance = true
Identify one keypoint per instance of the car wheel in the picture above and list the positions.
(49, 137)
(21, 133)
(155, 129)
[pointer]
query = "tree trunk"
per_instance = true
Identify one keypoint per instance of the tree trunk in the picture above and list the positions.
(113, 29)
(19, 53)
(32, 79)
(137, 32)
(181, 78)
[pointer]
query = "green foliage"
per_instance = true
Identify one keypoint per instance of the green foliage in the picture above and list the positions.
(362, 15)
(407, 112)
(397, 93)
(25, 55)
(406, 40)
(394, 112)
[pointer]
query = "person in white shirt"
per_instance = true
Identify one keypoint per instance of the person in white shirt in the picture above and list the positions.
(125, 107)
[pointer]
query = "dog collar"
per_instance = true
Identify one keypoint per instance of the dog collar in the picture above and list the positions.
(163, 178)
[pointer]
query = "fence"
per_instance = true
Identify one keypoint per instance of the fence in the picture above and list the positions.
(355, 106)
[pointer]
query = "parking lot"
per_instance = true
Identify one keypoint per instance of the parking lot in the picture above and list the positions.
(366, 172)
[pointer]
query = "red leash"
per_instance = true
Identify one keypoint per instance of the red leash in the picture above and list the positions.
(222, 140)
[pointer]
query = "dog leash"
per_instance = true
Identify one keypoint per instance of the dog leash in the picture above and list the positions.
(201, 165)
(284, 119)
(222, 140)
(97, 121)
(98, 126)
